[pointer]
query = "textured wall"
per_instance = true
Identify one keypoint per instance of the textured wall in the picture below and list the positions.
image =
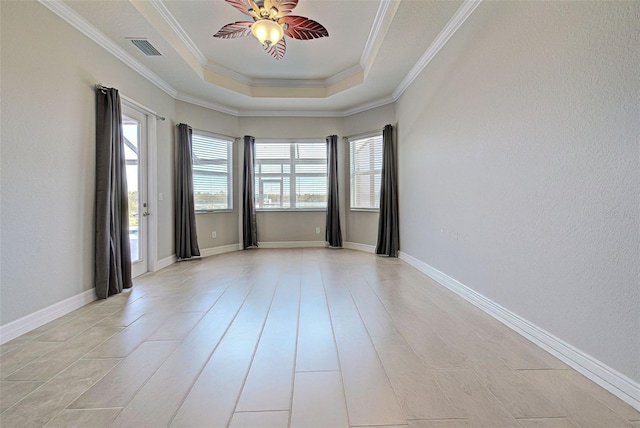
(225, 224)
(519, 168)
(296, 225)
(48, 156)
(290, 226)
(362, 226)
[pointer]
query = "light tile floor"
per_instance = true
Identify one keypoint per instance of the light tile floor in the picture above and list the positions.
(291, 338)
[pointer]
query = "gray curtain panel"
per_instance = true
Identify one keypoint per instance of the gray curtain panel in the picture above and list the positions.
(249, 226)
(185, 216)
(112, 268)
(388, 229)
(333, 235)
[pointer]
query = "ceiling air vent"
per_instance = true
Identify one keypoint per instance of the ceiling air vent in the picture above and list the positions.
(146, 47)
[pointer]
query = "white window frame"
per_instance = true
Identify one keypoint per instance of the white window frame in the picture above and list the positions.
(262, 178)
(371, 172)
(228, 173)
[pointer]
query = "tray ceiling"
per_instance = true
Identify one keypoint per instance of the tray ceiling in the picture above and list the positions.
(373, 49)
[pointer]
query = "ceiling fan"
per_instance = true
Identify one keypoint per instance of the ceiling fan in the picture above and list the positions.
(271, 22)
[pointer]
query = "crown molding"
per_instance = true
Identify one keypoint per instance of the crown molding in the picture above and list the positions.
(206, 104)
(179, 31)
(368, 106)
(438, 43)
(288, 83)
(80, 24)
(386, 11)
(284, 83)
(343, 75)
(380, 26)
(284, 113)
(228, 73)
(290, 113)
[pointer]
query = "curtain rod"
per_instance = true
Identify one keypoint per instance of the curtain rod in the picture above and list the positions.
(212, 134)
(102, 88)
(363, 135)
(291, 140)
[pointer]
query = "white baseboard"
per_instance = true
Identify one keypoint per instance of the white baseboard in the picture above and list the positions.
(163, 263)
(360, 247)
(293, 244)
(212, 251)
(32, 321)
(613, 381)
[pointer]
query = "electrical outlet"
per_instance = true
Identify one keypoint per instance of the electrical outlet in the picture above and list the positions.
(160, 196)
(317, 231)
(213, 235)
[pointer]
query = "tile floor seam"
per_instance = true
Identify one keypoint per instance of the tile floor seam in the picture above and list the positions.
(373, 346)
(295, 353)
(479, 381)
(398, 330)
(500, 401)
(346, 281)
(598, 399)
(255, 349)
(143, 383)
(229, 285)
(82, 357)
(244, 300)
(48, 382)
(316, 371)
(402, 336)
(79, 333)
(335, 343)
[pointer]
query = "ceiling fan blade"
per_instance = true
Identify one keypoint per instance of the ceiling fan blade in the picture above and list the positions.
(302, 28)
(234, 30)
(284, 6)
(244, 6)
(278, 50)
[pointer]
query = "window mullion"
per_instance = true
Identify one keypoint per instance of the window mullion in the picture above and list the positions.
(294, 173)
(292, 180)
(212, 163)
(364, 184)
(371, 176)
(261, 193)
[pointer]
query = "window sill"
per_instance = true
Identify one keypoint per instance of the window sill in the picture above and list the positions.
(285, 210)
(365, 210)
(214, 212)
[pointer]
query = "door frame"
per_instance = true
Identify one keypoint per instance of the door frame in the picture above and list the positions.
(152, 185)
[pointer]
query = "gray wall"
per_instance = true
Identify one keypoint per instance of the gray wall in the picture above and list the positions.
(296, 225)
(48, 156)
(519, 162)
(518, 165)
(362, 226)
(225, 224)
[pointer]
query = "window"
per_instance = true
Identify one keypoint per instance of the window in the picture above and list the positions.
(212, 172)
(366, 169)
(291, 175)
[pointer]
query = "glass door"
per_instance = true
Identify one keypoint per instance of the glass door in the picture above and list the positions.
(135, 137)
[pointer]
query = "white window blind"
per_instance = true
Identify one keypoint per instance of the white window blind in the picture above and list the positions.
(291, 175)
(366, 169)
(212, 172)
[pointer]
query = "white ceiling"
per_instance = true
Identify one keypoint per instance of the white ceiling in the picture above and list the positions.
(374, 49)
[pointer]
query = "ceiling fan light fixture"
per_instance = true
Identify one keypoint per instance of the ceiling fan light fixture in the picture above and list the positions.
(267, 32)
(271, 22)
